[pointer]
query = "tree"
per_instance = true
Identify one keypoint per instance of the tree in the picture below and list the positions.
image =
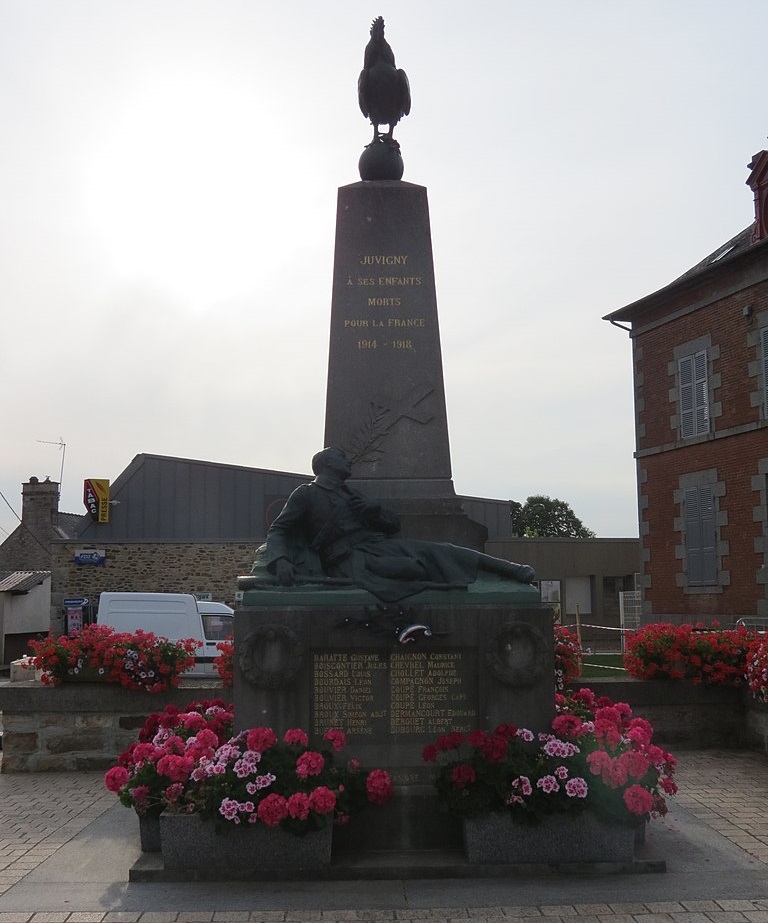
(542, 516)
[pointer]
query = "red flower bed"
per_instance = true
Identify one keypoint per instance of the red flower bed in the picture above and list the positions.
(757, 669)
(709, 656)
(224, 662)
(567, 658)
(141, 661)
(188, 762)
(597, 756)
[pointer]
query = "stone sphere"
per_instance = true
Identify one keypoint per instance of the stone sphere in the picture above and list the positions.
(381, 160)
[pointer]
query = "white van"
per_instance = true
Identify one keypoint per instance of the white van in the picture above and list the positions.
(173, 616)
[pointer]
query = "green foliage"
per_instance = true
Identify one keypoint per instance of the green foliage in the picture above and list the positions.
(542, 517)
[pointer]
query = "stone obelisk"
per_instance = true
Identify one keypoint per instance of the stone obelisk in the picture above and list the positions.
(385, 403)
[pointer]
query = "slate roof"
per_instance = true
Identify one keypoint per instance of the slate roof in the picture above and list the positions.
(163, 498)
(21, 581)
(70, 524)
(725, 252)
(740, 247)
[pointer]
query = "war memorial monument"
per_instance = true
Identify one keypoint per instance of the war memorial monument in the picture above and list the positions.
(372, 607)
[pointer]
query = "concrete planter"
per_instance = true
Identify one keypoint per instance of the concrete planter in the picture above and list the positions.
(149, 832)
(497, 838)
(190, 843)
(86, 674)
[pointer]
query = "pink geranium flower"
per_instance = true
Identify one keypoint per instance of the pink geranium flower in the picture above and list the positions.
(177, 768)
(272, 810)
(635, 763)
(638, 799)
(260, 739)
(548, 784)
(322, 800)
(296, 736)
(309, 764)
(298, 805)
(336, 738)
(462, 775)
(116, 778)
(379, 786)
(576, 788)
(567, 725)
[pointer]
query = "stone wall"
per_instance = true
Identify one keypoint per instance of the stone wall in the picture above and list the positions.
(81, 726)
(150, 567)
(685, 716)
(756, 726)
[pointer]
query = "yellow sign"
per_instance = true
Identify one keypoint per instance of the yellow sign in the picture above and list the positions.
(96, 498)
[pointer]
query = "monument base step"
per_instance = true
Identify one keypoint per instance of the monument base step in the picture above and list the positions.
(384, 866)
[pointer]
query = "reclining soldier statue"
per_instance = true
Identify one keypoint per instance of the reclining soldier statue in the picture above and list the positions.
(328, 532)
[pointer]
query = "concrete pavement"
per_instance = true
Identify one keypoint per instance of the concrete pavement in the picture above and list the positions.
(66, 848)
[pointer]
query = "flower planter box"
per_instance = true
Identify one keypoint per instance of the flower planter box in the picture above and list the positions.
(86, 675)
(497, 838)
(149, 832)
(188, 842)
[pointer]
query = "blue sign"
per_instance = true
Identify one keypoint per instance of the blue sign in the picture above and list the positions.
(91, 556)
(76, 603)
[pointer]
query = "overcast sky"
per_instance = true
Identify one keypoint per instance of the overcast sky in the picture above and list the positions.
(168, 181)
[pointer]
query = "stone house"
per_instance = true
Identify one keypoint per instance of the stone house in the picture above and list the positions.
(28, 547)
(175, 526)
(25, 566)
(700, 353)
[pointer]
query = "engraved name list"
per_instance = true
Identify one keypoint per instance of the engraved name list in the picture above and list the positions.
(373, 695)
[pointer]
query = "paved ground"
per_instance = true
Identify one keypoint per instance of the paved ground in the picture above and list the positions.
(66, 848)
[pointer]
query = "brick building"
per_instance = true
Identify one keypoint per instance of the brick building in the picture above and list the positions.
(700, 352)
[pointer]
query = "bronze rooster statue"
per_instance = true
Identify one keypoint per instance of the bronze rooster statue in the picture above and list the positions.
(382, 89)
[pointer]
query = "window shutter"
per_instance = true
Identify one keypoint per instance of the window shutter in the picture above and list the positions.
(694, 395)
(700, 536)
(686, 397)
(764, 343)
(701, 397)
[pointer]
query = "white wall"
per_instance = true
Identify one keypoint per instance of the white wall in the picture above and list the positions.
(25, 613)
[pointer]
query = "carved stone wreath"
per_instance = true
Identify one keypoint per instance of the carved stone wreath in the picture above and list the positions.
(517, 655)
(270, 656)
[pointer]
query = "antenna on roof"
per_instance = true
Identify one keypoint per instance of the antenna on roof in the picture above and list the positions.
(63, 446)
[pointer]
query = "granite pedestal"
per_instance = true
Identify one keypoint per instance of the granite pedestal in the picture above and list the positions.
(317, 659)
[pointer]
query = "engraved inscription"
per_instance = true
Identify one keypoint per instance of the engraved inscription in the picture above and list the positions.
(386, 323)
(428, 694)
(346, 690)
(384, 260)
(393, 324)
(377, 695)
(399, 280)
